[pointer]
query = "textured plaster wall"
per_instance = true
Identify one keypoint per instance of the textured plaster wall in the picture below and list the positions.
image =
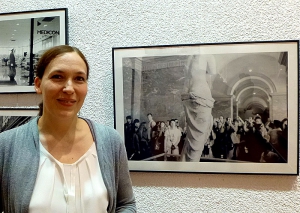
(97, 26)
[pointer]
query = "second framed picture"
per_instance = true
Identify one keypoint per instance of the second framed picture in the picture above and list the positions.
(209, 108)
(24, 37)
(13, 117)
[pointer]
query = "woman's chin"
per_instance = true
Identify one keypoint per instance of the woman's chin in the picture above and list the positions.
(67, 114)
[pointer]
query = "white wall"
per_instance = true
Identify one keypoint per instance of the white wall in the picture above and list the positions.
(97, 26)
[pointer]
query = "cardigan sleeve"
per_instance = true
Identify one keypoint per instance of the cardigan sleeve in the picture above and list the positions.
(125, 202)
(5, 138)
(125, 197)
(1, 175)
(115, 172)
(18, 167)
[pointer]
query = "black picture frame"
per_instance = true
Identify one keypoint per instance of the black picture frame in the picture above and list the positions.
(260, 78)
(24, 37)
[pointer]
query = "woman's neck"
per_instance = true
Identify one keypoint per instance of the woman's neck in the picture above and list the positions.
(65, 139)
(58, 127)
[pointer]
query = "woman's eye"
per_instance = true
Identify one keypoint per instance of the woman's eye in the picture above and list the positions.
(79, 78)
(57, 77)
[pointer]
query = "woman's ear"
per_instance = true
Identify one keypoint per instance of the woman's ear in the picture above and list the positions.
(37, 85)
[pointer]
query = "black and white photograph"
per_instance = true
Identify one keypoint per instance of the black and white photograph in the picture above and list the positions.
(24, 36)
(209, 108)
(11, 118)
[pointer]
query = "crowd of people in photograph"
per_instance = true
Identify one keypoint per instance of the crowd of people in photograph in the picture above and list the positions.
(153, 140)
(230, 139)
(248, 140)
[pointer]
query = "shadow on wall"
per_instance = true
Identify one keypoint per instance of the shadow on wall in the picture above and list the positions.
(238, 181)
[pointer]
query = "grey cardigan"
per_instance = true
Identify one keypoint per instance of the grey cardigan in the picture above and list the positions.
(19, 163)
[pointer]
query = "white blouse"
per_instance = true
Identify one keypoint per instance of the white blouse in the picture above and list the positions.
(77, 187)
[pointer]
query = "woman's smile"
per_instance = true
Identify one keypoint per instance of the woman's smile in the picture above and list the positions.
(66, 102)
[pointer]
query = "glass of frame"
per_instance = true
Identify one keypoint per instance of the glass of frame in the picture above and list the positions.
(209, 108)
(24, 37)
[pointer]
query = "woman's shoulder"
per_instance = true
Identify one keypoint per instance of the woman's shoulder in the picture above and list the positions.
(17, 134)
(108, 141)
(103, 132)
(24, 128)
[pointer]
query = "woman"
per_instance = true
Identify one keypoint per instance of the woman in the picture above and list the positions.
(237, 131)
(161, 135)
(59, 162)
(159, 132)
(172, 139)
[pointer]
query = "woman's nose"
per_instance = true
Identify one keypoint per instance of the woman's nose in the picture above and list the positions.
(69, 87)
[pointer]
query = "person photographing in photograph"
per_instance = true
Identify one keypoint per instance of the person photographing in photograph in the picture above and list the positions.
(59, 162)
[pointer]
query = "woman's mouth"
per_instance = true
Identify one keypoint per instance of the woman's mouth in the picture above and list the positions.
(67, 102)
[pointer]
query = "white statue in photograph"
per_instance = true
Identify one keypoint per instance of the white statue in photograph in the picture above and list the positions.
(198, 103)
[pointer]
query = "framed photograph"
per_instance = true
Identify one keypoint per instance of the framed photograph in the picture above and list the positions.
(209, 108)
(24, 37)
(13, 117)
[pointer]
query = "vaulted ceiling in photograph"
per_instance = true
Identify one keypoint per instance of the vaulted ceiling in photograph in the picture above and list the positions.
(249, 78)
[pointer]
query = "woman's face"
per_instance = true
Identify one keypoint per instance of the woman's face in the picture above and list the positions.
(63, 86)
(221, 119)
